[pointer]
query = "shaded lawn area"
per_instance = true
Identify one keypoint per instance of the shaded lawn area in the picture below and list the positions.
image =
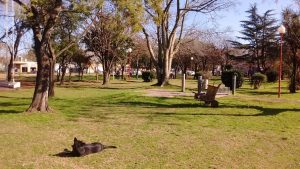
(249, 130)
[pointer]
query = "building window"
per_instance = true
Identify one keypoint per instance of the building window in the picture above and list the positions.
(24, 69)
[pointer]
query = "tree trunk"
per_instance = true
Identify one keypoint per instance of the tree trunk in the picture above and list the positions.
(79, 74)
(150, 65)
(97, 76)
(40, 97)
(184, 70)
(82, 74)
(42, 36)
(293, 85)
(196, 70)
(10, 69)
(122, 72)
(63, 73)
(106, 77)
(258, 65)
(165, 76)
(159, 76)
(70, 75)
(137, 71)
(51, 77)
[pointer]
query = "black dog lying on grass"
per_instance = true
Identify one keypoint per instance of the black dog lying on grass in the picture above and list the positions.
(80, 148)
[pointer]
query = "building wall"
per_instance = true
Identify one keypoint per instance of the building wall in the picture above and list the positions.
(25, 67)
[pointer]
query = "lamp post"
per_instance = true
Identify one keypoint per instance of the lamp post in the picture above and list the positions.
(281, 31)
(129, 50)
(13, 46)
(137, 68)
(192, 58)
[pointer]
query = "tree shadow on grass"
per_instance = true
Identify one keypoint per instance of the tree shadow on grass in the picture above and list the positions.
(11, 104)
(10, 112)
(264, 111)
(14, 105)
(14, 97)
(259, 92)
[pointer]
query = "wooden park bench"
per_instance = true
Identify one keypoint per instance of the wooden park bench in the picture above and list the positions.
(209, 96)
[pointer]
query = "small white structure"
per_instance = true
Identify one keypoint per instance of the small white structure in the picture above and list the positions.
(13, 85)
(24, 66)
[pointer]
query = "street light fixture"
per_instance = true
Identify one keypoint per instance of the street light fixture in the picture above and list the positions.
(281, 31)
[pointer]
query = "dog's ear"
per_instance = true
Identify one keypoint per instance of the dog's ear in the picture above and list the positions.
(75, 139)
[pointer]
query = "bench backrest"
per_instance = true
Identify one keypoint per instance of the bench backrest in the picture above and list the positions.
(211, 92)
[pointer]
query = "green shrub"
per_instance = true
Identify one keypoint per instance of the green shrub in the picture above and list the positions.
(227, 78)
(147, 76)
(204, 74)
(272, 76)
(257, 79)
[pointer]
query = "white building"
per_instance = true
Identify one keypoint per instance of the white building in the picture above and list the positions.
(24, 66)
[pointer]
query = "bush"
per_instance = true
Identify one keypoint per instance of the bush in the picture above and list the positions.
(147, 76)
(227, 78)
(257, 79)
(204, 74)
(272, 76)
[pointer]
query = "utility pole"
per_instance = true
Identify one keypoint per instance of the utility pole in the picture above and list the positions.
(13, 45)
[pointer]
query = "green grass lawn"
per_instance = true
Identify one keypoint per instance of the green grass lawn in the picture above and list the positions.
(253, 129)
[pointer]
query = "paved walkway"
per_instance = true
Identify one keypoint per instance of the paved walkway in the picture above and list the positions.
(170, 93)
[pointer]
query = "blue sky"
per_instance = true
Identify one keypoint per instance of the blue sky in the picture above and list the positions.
(232, 17)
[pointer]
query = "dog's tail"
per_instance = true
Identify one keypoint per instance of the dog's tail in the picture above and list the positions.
(105, 147)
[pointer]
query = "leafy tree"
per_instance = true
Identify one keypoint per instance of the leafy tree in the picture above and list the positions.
(82, 61)
(106, 39)
(259, 31)
(292, 37)
(187, 50)
(140, 54)
(168, 19)
(42, 17)
(66, 33)
(19, 28)
(65, 40)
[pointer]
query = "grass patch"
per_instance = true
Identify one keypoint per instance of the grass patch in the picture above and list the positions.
(253, 129)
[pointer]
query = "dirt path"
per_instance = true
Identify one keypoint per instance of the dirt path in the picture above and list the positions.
(166, 93)
(170, 93)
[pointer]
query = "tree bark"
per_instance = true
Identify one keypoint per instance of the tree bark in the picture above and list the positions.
(40, 97)
(20, 29)
(122, 72)
(79, 74)
(10, 69)
(51, 77)
(70, 75)
(63, 73)
(41, 36)
(293, 85)
(106, 77)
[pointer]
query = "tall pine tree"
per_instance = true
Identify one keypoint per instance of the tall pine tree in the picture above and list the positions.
(259, 37)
